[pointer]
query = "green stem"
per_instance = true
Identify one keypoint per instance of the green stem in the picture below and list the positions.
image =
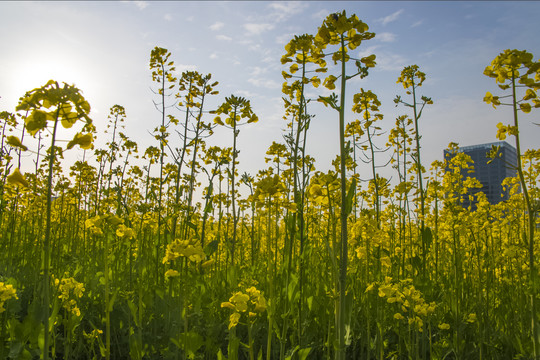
(340, 354)
(47, 244)
(531, 225)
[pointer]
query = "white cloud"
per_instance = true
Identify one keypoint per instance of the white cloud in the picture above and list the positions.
(321, 15)
(268, 56)
(167, 17)
(216, 26)
(190, 18)
(180, 68)
(392, 17)
(245, 42)
(386, 61)
(213, 56)
(285, 9)
(255, 47)
(141, 4)
(244, 93)
(265, 83)
(368, 51)
(285, 38)
(386, 37)
(256, 71)
(418, 23)
(256, 29)
(223, 37)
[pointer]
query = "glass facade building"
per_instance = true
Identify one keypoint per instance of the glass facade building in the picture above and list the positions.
(490, 175)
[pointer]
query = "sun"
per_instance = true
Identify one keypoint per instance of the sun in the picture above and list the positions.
(36, 73)
(34, 69)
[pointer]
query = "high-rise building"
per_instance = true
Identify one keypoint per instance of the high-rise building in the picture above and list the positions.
(490, 175)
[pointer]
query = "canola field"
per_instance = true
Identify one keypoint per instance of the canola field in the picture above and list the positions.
(119, 258)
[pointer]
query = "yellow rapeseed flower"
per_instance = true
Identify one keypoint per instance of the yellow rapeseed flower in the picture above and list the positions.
(234, 319)
(171, 273)
(444, 326)
(6, 292)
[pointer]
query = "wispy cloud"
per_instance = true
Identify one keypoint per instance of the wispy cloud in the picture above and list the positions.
(216, 26)
(223, 37)
(245, 93)
(390, 18)
(386, 60)
(264, 83)
(418, 23)
(167, 17)
(256, 29)
(245, 42)
(257, 70)
(391, 62)
(267, 56)
(386, 37)
(180, 68)
(141, 4)
(368, 51)
(283, 10)
(284, 38)
(213, 56)
(321, 15)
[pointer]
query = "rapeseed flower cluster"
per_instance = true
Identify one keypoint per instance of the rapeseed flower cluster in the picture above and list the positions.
(70, 290)
(94, 334)
(252, 302)
(409, 299)
(190, 249)
(95, 224)
(6, 292)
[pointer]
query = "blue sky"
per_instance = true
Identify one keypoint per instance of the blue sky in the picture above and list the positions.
(104, 49)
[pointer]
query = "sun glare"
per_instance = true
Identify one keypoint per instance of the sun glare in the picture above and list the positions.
(32, 74)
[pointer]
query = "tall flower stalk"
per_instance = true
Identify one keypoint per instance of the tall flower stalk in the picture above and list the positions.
(57, 104)
(347, 33)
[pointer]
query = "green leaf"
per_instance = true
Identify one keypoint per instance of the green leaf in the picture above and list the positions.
(349, 298)
(234, 344)
(208, 208)
(220, 355)
(350, 197)
(135, 348)
(328, 101)
(54, 313)
(134, 312)
(16, 349)
(310, 302)
(111, 301)
(303, 353)
(292, 291)
(427, 237)
(211, 247)
(190, 342)
(289, 357)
